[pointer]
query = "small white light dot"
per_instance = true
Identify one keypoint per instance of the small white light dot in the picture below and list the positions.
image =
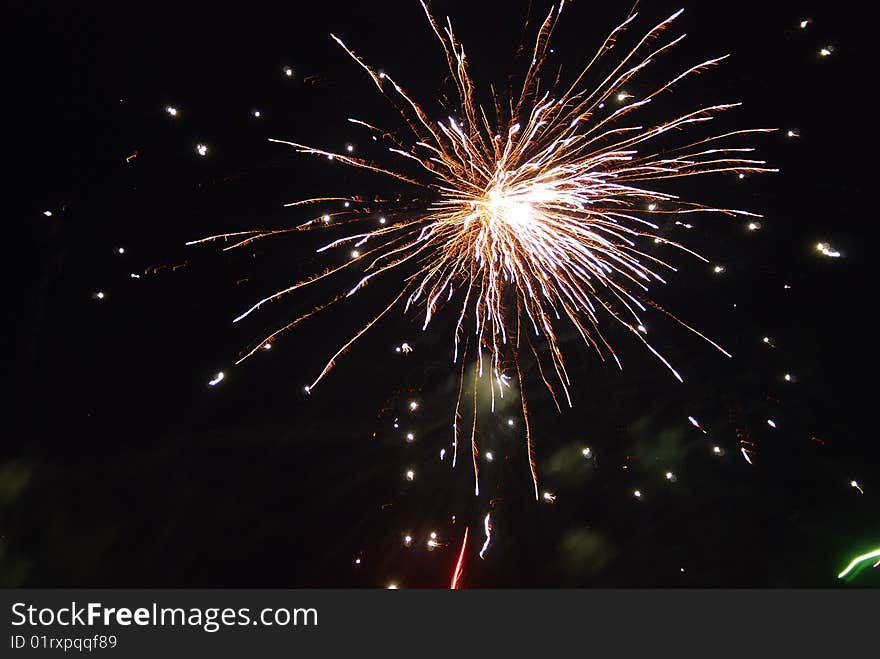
(826, 51)
(267, 346)
(637, 494)
(100, 295)
(771, 423)
(413, 405)
(349, 147)
(787, 377)
(718, 269)
(382, 74)
(381, 220)
(325, 219)
(410, 474)
(742, 176)
(669, 475)
(47, 213)
(306, 389)
(355, 253)
(288, 71)
(257, 114)
(549, 497)
(489, 456)
(391, 586)
(347, 204)
(804, 23)
(357, 561)
(120, 250)
(652, 207)
(586, 452)
(716, 450)
(510, 422)
(410, 437)
(754, 226)
(201, 149)
(171, 110)
(217, 379)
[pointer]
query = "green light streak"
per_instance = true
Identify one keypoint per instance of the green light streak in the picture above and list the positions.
(857, 560)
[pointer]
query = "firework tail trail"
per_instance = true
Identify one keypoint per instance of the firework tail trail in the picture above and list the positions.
(455, 582)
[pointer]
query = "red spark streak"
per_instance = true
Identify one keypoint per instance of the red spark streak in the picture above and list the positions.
(456, 574)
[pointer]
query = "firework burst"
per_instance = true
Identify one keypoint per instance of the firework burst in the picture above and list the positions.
(534, 211)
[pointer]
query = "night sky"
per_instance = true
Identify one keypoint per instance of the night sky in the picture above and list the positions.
(122, 467)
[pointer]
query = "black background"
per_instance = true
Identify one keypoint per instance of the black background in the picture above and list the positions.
(122, 468)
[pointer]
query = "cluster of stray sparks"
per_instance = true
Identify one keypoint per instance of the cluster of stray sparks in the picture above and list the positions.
(539, 213)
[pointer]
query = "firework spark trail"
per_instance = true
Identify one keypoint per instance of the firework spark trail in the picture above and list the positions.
(455, 583)
(540, 214)
(487, 529)
(858, 560)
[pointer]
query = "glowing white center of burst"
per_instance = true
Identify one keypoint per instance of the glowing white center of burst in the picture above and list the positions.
(503, 207)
